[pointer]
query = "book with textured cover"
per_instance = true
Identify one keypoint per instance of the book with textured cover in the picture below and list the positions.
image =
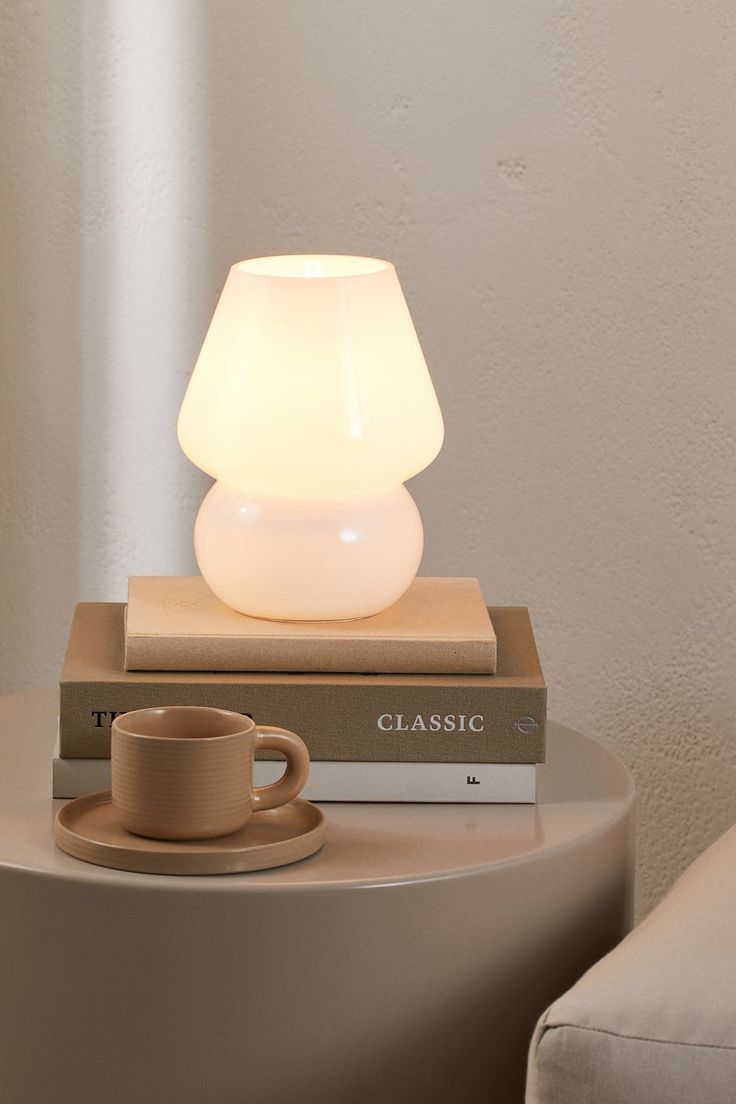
(440, 626)
(497, 718)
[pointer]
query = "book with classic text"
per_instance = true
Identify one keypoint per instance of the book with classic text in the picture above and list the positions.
(473, 719)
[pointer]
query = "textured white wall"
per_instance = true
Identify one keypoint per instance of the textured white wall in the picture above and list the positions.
(555, 182)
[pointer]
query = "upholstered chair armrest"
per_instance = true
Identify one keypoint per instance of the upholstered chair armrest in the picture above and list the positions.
(654, 1022)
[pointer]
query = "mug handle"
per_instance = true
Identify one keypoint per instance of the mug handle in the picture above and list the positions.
(297, 767)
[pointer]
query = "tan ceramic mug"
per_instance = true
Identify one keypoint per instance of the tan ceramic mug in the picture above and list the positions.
(185, 772)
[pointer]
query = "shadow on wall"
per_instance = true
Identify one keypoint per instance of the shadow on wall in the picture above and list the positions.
(105, 287)
(40, 469)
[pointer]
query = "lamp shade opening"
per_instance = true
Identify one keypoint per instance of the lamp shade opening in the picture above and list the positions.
(311, 381)
(313, 266)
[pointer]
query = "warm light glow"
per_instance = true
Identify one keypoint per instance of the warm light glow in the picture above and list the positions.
(309, 559)
(323, 266)
(311, 381)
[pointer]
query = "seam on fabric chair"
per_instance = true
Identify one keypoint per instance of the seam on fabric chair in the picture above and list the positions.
(540, 1031)
(547, 1028)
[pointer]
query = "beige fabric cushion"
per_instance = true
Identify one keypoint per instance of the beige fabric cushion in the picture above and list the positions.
(655, 1020)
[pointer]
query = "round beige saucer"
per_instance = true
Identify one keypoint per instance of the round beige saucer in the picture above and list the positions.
(87, 829)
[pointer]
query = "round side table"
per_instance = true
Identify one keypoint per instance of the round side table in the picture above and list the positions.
(407, 961)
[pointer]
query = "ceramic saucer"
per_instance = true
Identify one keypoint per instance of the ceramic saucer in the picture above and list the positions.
(87, 829)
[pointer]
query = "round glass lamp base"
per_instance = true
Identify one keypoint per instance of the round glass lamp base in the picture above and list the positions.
(308, 559)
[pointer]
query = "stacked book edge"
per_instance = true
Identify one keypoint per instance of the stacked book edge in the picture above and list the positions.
(474, 783)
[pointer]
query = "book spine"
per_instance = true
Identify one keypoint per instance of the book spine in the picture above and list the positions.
(371, 721)
(476, 783)
(169, 653)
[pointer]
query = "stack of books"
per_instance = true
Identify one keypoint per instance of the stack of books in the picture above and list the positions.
(437, 699)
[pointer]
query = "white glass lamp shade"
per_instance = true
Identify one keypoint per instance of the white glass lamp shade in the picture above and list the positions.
(310, 403)
(311, 381)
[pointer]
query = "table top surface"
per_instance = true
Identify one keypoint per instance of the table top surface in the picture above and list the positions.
(582, 788)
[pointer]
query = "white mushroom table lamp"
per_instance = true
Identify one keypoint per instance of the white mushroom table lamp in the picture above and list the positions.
(310, 404)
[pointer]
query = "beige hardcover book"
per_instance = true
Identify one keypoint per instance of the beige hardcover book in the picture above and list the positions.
(440, 626)
(342, 717)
